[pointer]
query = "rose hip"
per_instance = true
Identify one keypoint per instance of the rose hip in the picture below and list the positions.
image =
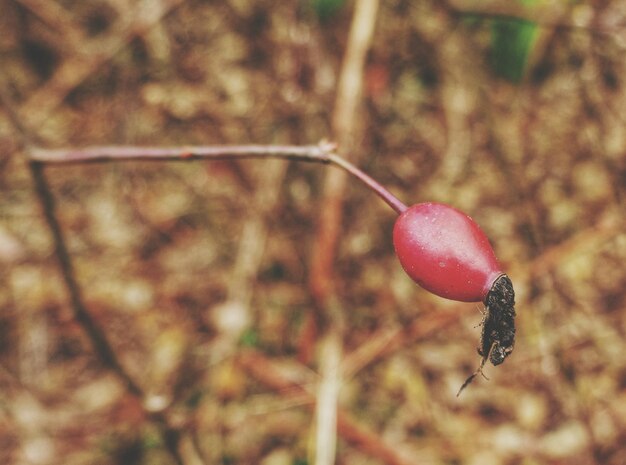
(445, 252)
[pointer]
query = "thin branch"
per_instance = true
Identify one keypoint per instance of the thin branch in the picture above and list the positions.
(324, 152)
(391, 200)
(347, 128)
(327, 396)
(169, 434)
(101, 345)
(315, 153)
(57, 17)
(99, 341)
(92, 54)
(96, 335)
(367, 441)
(359, 436)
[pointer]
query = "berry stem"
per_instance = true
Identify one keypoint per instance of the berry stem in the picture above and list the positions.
(391, 200)
(324, 152)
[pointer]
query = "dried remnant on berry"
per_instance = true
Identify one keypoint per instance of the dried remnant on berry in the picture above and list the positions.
(498, 334)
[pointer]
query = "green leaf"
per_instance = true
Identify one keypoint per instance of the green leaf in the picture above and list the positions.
(325, 9)
(511, 42)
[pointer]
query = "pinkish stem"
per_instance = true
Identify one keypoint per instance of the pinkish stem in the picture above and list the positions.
(370, 182)
(324, 152)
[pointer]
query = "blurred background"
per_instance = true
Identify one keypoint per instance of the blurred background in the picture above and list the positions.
(202, 276)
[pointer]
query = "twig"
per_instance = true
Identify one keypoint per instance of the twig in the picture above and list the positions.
(170, 435)
(327, 399)
(324, 152)
(388, 341)
(347, 129)
(96, 335)
(93, 54)
(265, 371)
(314, 153)
(56, 16)
(99, 341)
(367, 441)
(369, 351)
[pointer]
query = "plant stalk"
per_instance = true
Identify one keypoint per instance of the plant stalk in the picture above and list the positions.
(324, 152)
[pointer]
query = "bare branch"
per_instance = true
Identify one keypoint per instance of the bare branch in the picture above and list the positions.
(347, 127)
(75, 69)
(316, 153)
(324, 152)
(169, 434)
(96, 335)
(267, 372)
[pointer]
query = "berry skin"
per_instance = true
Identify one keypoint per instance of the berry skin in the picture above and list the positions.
(445, 252)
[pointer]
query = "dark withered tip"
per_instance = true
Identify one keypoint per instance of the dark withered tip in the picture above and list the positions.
(498, 336)
(498, 327)
(501, 294)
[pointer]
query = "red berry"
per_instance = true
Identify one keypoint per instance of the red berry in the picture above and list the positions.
(445, 252)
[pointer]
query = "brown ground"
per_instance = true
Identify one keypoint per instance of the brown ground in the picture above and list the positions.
(199, 273)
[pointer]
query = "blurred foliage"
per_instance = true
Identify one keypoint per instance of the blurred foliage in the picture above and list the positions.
(325, 9)
(512, 42)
